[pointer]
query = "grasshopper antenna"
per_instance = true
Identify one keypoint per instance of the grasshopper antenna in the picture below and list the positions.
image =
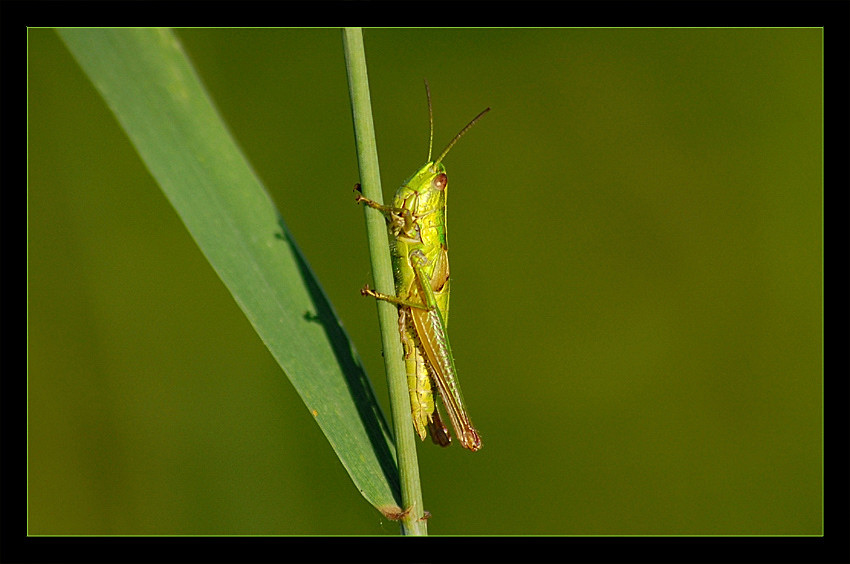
(430, 120)
(459, 135)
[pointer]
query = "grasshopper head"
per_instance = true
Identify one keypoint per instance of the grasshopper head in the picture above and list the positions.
(425, 191)
(430, 178)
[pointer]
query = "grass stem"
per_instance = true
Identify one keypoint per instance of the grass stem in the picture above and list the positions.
(412, 522)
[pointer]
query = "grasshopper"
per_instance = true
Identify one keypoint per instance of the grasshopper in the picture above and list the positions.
(416, 223)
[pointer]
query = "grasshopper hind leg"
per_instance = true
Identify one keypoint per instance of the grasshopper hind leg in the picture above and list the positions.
(438, 431)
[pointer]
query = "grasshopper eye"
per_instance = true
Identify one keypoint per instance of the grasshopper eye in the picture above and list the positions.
(440, 181)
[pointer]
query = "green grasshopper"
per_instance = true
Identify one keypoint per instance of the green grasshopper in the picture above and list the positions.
(417, 226)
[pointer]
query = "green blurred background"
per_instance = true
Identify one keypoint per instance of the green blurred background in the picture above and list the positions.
(636, 248)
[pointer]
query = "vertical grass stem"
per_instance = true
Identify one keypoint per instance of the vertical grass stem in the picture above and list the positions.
(412, 522)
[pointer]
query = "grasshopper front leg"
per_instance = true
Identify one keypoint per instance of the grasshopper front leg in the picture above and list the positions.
(388, 211)
(402, 223)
